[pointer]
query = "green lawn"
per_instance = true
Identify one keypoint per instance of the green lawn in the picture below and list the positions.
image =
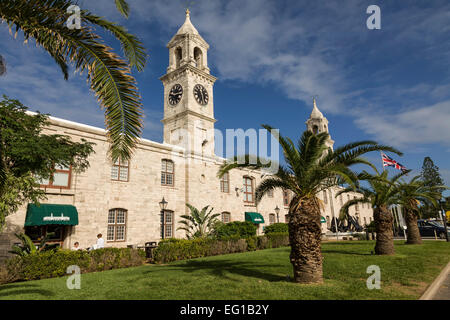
(256, 275)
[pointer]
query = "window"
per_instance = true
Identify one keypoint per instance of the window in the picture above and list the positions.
(328, 222)
(248, 190)
(365, 221)
(167, 225)
(286, 198)
(117, 225)
(225, 183)
(325, 200)
(226, 217)
(315, 129)
(286, 218)
(356, 205)
(167, 173)
(271, 218)
(198, 57)
(119, 171)
(59, 179)
(270, 193)
(178, 57)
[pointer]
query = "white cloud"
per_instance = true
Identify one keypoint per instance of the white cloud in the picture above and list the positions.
(418, 126)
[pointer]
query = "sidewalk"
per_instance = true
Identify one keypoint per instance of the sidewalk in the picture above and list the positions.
(444, 290)
(440, 288)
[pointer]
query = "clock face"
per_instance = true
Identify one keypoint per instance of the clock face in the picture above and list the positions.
(201, 95)
(175, 94)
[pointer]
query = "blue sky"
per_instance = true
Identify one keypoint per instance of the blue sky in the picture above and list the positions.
(271, 56)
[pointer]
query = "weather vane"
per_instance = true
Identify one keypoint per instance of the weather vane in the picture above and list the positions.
(188, 4)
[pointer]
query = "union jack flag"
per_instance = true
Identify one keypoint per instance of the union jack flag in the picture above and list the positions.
(389, 162)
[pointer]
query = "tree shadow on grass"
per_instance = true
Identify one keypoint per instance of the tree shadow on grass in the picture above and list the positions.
(222, 268)
(346, 252)
(23, 288)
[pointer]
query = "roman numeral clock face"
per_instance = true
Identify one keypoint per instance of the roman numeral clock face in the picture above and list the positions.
(201, 95)
(175, 94)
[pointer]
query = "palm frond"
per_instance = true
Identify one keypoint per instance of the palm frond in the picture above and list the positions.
(122, 7)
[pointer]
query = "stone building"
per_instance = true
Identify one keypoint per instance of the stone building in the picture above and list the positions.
(122, 200)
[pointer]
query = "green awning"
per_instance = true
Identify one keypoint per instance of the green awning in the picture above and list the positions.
(323, 220)
(51, 214)
(254, 217)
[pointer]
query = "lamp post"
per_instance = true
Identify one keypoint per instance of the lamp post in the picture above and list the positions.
(277, 211)
(163, 206)
(444, 217)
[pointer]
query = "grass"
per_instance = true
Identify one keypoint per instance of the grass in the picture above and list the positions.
(256, 275)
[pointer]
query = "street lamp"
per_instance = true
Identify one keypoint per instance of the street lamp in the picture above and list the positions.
(163, 206)
(444, 217)
(277, 211)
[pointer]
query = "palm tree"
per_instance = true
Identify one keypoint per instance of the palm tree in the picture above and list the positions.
(411, 195)
(311, 168)
(381, 193)
(198, 224)
(108, 74)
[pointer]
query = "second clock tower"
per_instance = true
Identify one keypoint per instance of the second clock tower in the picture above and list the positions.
(188, 93)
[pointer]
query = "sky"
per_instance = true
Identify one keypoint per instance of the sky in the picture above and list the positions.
(271, 57)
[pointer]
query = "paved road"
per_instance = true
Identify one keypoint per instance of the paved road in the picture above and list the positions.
(444, 290)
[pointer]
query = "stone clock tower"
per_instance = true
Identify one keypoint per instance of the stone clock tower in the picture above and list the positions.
(188, 93)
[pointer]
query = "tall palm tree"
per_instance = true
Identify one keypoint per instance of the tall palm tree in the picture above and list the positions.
(311, 168)
(109, 75)
(381, 193)
(198, 224)
(411, 194)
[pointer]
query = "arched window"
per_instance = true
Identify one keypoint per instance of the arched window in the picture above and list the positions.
(117, 225)
(167, 173)
(225, 183)
(178, 56)
(249, 196)
(315, 129)
(226, 217)
(198, 57)
(328, 222)
(272, 218)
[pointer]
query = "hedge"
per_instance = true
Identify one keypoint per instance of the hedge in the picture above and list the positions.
(54, 263)
(235, 229)
(276, 228)
(181, 249)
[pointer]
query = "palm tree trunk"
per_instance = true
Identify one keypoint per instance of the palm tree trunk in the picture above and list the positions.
(385, 237)
(412, 233)
(305, 235)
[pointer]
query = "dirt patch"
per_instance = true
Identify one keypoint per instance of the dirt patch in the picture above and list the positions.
(414, 289)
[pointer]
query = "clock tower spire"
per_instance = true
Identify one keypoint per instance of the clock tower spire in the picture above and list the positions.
(188, 92)
(317, 123)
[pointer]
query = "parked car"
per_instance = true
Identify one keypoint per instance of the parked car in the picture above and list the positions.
(427, 228)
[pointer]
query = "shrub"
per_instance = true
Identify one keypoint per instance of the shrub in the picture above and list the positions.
(279, 239)
(237, 229)
(181, 249)
(276, 228)
(54, 263)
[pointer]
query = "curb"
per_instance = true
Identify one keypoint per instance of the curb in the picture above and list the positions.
(434, 287)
